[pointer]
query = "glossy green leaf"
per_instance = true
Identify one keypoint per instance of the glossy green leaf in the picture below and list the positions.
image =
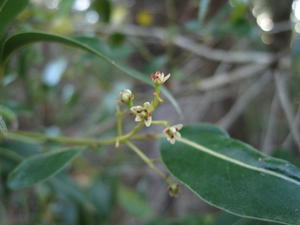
(203, 8)
(22, 39)
(40, 167)
(9, 10)
(233, 176)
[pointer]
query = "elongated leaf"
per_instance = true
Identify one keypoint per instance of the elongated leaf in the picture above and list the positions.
(40, 167)
(22, 39)
(234, 176)
(21, 148)
(203, 7)
(9, 10)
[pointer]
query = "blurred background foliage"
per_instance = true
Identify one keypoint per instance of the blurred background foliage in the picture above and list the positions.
(233, 63)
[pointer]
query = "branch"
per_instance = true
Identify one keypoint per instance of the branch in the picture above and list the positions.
(269, 135)
(230, 77)
(287, 108)
(243, 101)
(191, 45)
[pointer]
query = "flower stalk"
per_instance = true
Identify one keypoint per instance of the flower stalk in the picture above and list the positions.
(143, 117)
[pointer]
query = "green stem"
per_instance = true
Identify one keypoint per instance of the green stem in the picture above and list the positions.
(157, 98)
(131, 133)
(64, 140)
(161, 122)
(81, 141)
(119, 124)
(149, 162)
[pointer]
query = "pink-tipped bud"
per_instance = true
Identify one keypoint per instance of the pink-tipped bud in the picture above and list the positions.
(159, 78)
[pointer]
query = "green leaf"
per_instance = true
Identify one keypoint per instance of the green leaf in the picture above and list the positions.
(233, 176)
(203, 7)
(40, 167)
(20, 147)
(9, 10)
(20, 40)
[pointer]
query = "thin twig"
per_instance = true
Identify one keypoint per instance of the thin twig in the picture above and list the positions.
(243, 101)
(287, 107)
(149, 162)
(287, 140)
(192, 46)
(267, 145)
(230, 77)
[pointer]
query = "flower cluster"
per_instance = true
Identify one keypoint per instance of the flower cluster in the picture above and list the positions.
(143, 113)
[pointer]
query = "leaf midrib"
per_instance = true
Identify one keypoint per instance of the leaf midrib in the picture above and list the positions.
(237, 162)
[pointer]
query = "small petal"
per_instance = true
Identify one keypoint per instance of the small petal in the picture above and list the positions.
(177, 135)
(148, 121)
(166, 78)
(147, 106)
(138, 119)
(172, 141)
(178, 126)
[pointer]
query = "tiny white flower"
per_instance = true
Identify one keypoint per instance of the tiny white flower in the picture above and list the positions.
(172, 133)
(143, 113)
(159, 77)
(126, 96)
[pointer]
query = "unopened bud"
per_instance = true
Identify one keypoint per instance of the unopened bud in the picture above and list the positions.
(173, 189)
(126, 96)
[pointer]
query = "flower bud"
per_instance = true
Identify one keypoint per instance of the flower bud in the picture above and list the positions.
(126, 96)
(159, 78)
(173, 189)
